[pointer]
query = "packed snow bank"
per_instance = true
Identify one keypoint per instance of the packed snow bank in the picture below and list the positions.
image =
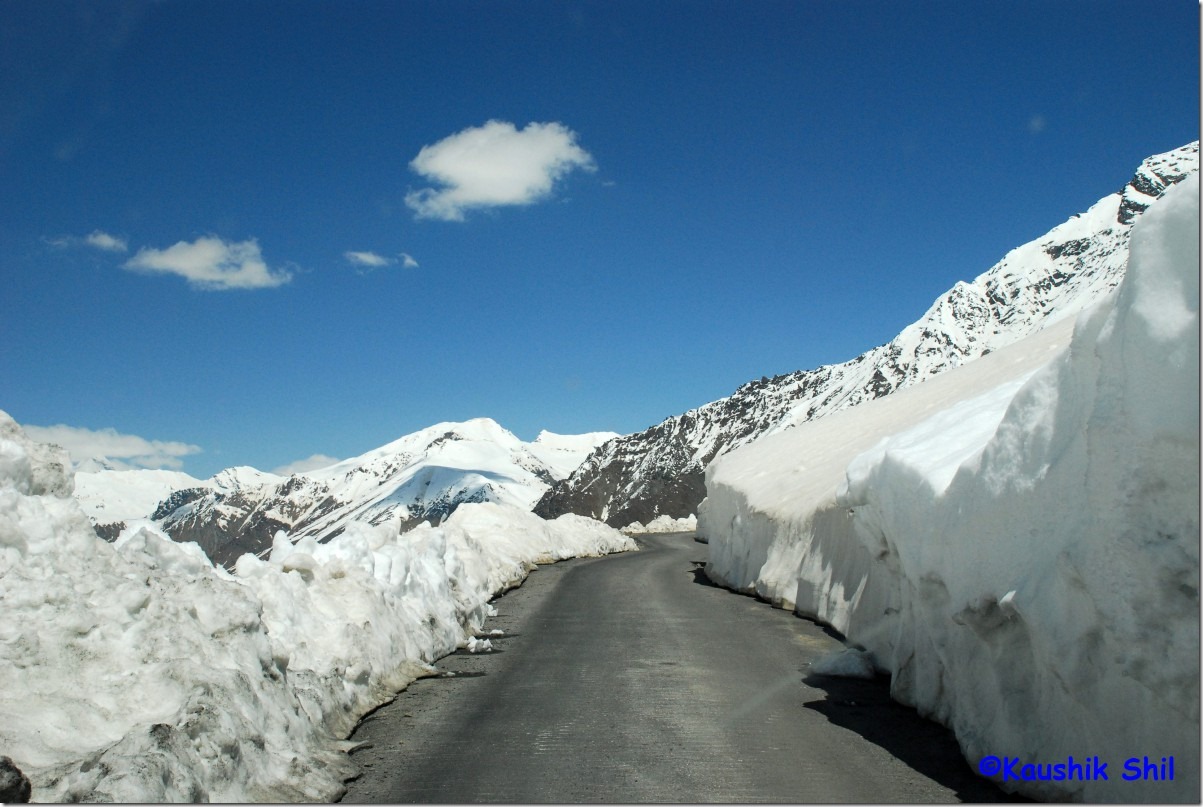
(663, 523)
(136, 671)
(1017, 545)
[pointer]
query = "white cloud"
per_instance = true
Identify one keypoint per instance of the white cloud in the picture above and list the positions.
(83, 444)
(212, 264)
(369, 259)
(366, 262)
(311, 463)
(494, 165)
(109, 243)
(98, 239)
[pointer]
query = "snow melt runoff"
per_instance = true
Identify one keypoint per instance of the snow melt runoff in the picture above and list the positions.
(1016, 542)
(139, 672)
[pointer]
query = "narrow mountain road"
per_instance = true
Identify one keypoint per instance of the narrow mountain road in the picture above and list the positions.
(631, 679)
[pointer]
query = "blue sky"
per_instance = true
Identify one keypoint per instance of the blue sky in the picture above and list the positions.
(672, 198)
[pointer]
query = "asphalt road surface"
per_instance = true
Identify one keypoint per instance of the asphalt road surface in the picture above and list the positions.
(631, 679)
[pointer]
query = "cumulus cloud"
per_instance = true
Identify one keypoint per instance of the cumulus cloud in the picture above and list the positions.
(311, 463)
(212, 264)
(408, 261)
(494, 165)
(109, 243)
(138, 452)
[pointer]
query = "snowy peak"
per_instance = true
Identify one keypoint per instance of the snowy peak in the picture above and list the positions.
(108, 495)
(241, 477)
(574, 442)
(660, 471)
(422, 476)
(94, 464)
(1152, 178)
(564, 453)
(481, 429)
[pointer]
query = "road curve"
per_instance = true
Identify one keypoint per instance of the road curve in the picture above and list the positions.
(631, 679)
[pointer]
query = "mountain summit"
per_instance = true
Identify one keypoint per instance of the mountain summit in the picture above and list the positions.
(659, 471)
(423, 476)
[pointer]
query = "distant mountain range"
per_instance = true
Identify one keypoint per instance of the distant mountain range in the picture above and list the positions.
(423, 476)
(660, 471)
(657, 472)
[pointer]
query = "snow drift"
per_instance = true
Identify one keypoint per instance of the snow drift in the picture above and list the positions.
(663, 523)
(137, 671)
(1016, 541)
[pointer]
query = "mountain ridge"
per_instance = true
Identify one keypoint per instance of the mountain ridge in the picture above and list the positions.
(659, 471)
(422, 476)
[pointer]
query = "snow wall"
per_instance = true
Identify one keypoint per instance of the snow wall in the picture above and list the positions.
(1016, 542)
(138, 672)
(662, 523)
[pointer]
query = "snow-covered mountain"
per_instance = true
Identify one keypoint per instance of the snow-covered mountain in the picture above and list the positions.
(113, 496)
(423, 476)
(660, 471)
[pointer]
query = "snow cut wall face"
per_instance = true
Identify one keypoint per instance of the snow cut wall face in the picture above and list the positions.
(1022, 558)
(135, 673)
(138, 672)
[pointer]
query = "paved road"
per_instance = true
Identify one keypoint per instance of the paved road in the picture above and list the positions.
(632, 679)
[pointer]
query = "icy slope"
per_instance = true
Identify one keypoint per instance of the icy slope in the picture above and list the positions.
(136, 671)
(108, 496)
(423, 476)
(1017, 541)
(660, 471)
(115, 498)
(564, 453)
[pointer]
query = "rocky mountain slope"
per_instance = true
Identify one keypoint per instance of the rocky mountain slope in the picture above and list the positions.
(423, 476)
(660, 471)
(113, 496)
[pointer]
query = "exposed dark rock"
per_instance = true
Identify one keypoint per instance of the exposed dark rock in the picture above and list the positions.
(223, 545)
(109, 532)
(1070, 248)
(14, 785)
(177, 500)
